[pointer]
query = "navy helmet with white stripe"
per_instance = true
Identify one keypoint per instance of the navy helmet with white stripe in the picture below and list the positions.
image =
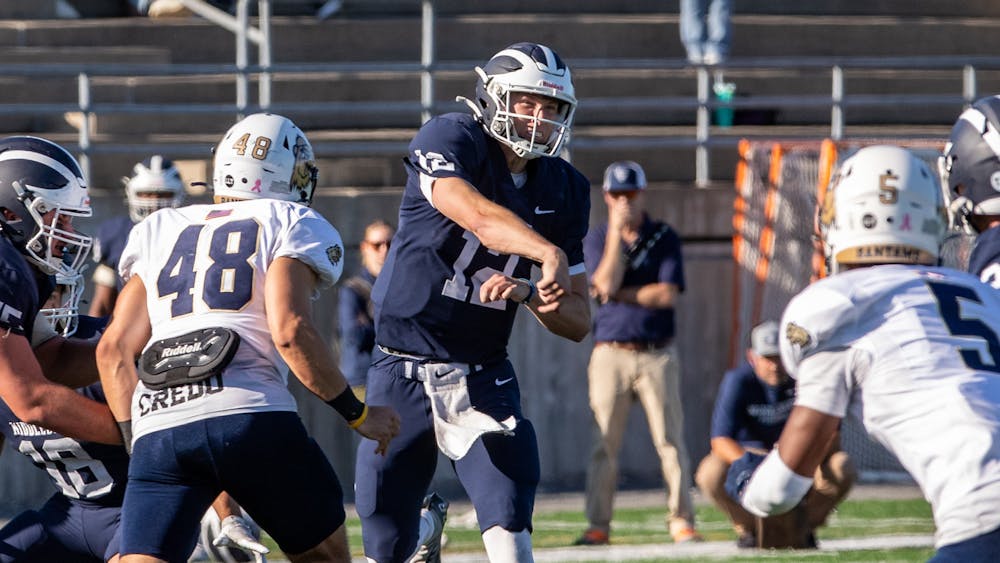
(970, 165)
(527, 68)
(38, 177)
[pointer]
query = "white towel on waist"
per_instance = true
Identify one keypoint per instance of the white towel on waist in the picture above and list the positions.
(457, 424)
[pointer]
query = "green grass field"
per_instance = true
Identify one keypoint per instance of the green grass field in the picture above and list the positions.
(637, 526)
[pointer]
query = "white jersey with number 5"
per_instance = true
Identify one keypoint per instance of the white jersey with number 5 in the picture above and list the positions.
(914, 353)
(204, 266)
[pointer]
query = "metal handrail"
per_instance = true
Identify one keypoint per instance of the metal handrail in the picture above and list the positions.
(428, 67)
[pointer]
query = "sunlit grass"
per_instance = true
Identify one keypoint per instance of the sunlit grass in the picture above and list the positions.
(853, 519)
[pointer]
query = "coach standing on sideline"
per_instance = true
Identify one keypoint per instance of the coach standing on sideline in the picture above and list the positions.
(636, 273)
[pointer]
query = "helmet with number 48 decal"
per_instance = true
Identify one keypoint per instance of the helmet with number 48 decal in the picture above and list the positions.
(265, 156)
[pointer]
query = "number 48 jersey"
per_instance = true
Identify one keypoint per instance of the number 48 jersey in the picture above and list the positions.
(204, 266)
(914, 353)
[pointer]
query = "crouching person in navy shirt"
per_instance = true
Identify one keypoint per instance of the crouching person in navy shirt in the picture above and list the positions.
(751, 409)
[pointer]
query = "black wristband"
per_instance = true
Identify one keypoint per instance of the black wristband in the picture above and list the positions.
(347, 405)
(125, 427)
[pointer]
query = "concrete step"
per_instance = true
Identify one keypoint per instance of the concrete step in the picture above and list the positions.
(94, 55)
(840, 7)
(476, 37)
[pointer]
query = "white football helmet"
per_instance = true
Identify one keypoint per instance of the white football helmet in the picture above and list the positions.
(971, 164)
(64, 315)
(530, 68)
(38, 176)
(265, 156)
(152, 179)
(883, 206)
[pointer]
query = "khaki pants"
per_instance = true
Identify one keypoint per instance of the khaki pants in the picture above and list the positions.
(618, 378)
(833, 480)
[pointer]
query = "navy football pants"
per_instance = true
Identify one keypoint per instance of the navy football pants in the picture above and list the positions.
(500, 473)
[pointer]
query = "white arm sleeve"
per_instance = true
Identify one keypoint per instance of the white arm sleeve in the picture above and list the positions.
(774, 488)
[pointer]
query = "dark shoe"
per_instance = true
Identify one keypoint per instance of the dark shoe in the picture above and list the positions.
(593, 536)
(746, 541)
(437, 509)
(811, 541)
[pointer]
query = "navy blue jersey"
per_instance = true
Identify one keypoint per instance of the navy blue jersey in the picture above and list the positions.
(86, 473)
(427, 295)
(19, 291)
(749, 410)
(110, 241)
(985, 258)
(655, 257)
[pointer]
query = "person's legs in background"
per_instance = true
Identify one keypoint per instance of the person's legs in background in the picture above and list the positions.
(659, 389)
(610, 400)
(692, 28)
(833, 481)
(717, 39)
(711, 479)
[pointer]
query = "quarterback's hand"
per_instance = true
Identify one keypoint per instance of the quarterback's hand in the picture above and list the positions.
(382, 425)
(500, 287)
(235, 532)
(554, 282)
(740, 473)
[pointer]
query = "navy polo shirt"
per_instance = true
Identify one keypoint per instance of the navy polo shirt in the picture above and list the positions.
(750, 411)
(650, 261)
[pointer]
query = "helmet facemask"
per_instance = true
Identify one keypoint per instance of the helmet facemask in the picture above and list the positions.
(155, 184)
(64, 316)
(51, 236)
(524, 68)
(504, 120)
(970, 167)
(42, 189)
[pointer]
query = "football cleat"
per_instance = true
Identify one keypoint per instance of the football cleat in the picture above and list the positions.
(435, 513)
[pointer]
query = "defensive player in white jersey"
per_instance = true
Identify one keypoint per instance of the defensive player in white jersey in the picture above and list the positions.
(218, 300)
(912, 350)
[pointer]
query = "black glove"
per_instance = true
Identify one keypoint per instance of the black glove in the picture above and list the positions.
(740, 473)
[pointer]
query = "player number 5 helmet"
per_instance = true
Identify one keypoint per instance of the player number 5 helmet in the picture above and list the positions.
(530, 68)
(38, 176)
(155, 184)
(265, 156)
(883, 206)
(970, 165)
